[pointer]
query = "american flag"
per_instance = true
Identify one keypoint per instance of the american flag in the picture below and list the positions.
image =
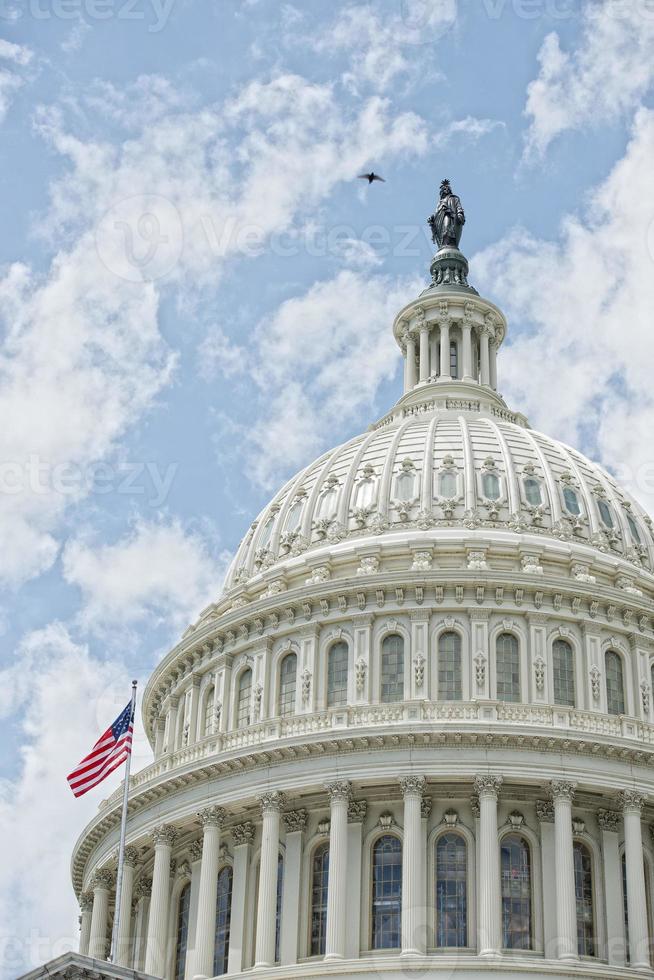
(107, 754)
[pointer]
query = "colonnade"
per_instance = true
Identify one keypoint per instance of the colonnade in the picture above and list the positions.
(488, 786)
(428, 353)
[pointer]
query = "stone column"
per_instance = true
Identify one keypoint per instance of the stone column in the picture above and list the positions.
(632, 805)
(410, 362)
(101, 884)
(489, 894)
(172, 724)
(242, 837)
(545, 814)
(493, 365)
(466, 333)
(193, 709)
(339, 798)
(164, 838)
(424, 352)
(484, 354)
(609, 823)
(295, 822)
(445, 350)
(86, 911)
(212, 819)
(271, 806)
(159, 735)
(412, 899)
(356, 814)
(143, 895)
(434, 348)
(566, 903)
(123, 945)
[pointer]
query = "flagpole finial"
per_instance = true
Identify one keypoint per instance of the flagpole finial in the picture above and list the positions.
(134, 683)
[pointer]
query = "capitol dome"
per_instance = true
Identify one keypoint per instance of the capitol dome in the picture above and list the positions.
(416, 732)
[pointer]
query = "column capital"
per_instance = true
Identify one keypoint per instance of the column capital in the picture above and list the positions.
(412, 785)
(86, 901)
(631, 801)
(272, 802)
(356, 811)
(211, 816)
(102, 878)
(195, 850)
(143, 887)
(609, 820)
(561, 789)
(295, 820)
(130, 856)
(486, 784)
(339, 792)
(545, 811)
(243, 833)
(165, 834)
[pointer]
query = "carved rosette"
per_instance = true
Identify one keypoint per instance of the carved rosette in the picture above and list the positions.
(272, 802)
(211, 816)
(165, 835)
(631, 801)
(412, 785)
(243, 833)
(102, 878)
(295, 820)
(339, 792)
(474, 806)
(486, 784)
(425, 807)
(545, 811)
(561, 789)
(356, 811)
(609, 820)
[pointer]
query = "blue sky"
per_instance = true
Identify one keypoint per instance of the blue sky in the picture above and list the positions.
(196, 297)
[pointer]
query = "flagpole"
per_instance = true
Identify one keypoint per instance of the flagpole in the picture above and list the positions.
(115, 932)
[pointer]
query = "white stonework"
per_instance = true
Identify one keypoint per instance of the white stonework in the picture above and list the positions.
(436, 642)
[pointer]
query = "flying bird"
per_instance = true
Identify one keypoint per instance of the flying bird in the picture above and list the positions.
(370, 177)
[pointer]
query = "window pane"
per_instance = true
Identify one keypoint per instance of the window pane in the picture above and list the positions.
(223, 921)
(327, 505)
(294, 515)
(516, 893)
(490, 485)
(605, 512)
(319, 883)
(287, 685)
(447, 485)
(278, 908)
(449, 667)
(208, 711)
(365, 493)
(584, 896)
(266, 534)
(183, 908)
(386, 893)
(571, 501)
(454, 359)
(563, 673)
(507, 659)
(633, 527)
(244, 699)
(614, 683)
(337, 674)
(451, 891)
(533, 492)
(405, 486)
(392, 669)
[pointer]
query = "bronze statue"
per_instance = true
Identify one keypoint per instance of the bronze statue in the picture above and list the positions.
(448, 221)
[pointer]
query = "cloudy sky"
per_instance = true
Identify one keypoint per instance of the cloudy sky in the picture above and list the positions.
(196, 296)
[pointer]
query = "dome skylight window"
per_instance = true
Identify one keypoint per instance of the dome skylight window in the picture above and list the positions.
(533, 491)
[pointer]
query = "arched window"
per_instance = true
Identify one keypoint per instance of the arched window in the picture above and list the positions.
(614, 683)
(571, 501)
(208, 710)
(319, 884)
(278, 906)
(183, 908)
(454, 359)
(449, 667)
(392, 669)
(287, 685)
(605, 512)
(507, 661)
(294, 515)
(490, 486)
(633, 527)
(583, 864)
(447, 485)
(266, 534)
(337, 659)
(327, 504)
(223, 921)
(563, 673)
(386, 893)
(405, 485)
(451, 891)
(244, 700)
(516, 893)
(533, 491)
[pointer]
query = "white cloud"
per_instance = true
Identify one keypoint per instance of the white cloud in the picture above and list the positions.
(318, 361)
(605, 76)
(159, 572)
(66, 698)
(583, 372)
(11, 80)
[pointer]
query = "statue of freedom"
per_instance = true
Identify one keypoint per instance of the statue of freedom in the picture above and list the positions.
(448, 221)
